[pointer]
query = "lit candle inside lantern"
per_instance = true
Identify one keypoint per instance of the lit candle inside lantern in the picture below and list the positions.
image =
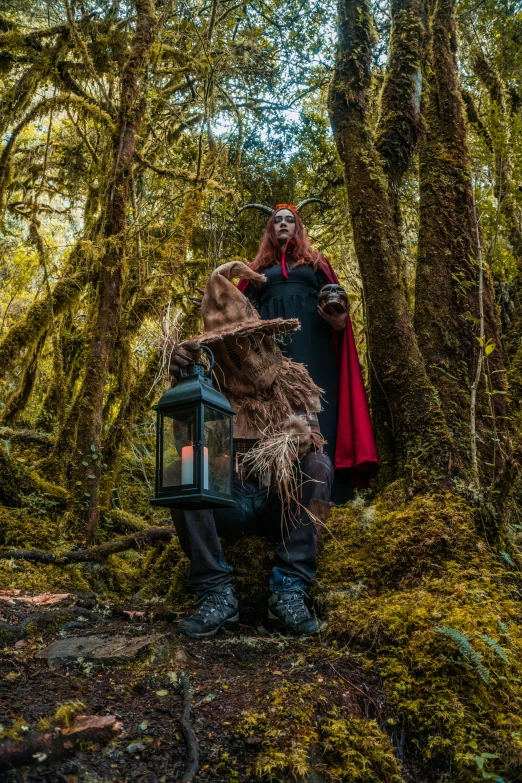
(187, 466)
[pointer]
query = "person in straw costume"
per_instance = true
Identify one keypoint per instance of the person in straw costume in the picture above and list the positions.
(281, 474)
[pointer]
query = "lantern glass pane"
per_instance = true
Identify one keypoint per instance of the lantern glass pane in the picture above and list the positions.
(217, 474)
(178, 450)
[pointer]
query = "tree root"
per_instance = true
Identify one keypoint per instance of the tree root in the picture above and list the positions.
(188, 732)
(94, 554)
(56, 743)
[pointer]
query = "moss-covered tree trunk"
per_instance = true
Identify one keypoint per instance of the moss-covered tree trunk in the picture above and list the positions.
(400, 124)
(500, 143)
(108, 306)
(413, 413)
(447, 308)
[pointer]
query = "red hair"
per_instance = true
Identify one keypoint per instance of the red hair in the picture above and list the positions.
(269, 252)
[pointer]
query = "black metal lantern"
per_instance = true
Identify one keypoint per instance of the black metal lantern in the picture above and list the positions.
(194, 443)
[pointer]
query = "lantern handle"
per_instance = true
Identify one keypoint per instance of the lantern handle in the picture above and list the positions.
(211, 355)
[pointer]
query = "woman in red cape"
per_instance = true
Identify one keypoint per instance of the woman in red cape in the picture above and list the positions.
(325, 344)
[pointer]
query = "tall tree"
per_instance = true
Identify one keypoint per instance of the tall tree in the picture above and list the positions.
(449, 301)
(421, 439)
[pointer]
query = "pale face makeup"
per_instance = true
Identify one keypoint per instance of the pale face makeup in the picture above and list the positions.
(284, 225)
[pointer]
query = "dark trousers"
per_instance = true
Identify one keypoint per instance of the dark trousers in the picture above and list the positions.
(257, 512)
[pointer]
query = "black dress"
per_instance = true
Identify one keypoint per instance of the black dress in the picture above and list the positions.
(296, 297)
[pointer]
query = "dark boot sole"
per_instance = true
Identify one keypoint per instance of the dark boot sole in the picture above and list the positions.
(229, 623)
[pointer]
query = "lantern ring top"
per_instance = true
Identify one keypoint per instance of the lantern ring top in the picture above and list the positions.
(198, 368)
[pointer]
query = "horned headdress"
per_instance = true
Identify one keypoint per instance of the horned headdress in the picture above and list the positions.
(297, 208)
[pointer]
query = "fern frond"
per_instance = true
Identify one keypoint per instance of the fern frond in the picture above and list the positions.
(495, 646)
(466, 649)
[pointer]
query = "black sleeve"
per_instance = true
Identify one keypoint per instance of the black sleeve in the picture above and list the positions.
(252, 294)
(321, 278)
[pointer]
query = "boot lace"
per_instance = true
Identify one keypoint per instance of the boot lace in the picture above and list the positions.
(210, 603)
(296, 607)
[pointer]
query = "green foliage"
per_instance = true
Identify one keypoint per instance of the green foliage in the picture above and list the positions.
(495, 646)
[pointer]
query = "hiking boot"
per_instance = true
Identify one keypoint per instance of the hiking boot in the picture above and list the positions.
(290, 610)
(214, 611)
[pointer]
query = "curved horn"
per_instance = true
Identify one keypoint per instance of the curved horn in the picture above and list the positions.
(309, 201)
(262, 207)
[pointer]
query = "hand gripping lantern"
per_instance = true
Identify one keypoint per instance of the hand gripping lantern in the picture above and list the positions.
(194, 433)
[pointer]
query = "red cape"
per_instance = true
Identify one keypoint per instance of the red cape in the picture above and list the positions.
(355, 445)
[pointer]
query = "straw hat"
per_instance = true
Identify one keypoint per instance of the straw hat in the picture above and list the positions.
(247, 358)
(228, 313)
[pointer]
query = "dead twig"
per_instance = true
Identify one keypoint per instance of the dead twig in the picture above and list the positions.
(188, 732)
(95, 553)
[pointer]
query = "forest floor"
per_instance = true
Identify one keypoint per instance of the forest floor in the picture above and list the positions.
(232, 675)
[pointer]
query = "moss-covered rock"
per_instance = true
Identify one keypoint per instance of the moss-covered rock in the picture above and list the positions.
(413, 587)
(166, 572)
(251, 558)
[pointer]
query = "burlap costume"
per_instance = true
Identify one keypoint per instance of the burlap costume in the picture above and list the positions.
(272, 395)
(265, 388)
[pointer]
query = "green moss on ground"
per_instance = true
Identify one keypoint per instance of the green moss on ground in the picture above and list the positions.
(413, 587)
(38, 525)
(296, 741)
(410, 587)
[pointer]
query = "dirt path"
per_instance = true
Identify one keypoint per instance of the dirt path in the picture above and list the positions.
(233, 676)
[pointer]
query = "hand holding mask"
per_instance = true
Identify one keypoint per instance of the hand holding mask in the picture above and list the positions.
(333, 299)
(333, 306)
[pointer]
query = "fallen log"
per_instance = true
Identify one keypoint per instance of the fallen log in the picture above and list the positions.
(57, 743)
(95, 553)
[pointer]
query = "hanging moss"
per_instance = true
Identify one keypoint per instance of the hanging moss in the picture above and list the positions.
(25, 334)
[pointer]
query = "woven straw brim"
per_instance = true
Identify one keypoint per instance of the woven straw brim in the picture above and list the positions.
(274, 326)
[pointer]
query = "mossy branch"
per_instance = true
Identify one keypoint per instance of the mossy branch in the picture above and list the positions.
(94, 554)
(25, 334)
